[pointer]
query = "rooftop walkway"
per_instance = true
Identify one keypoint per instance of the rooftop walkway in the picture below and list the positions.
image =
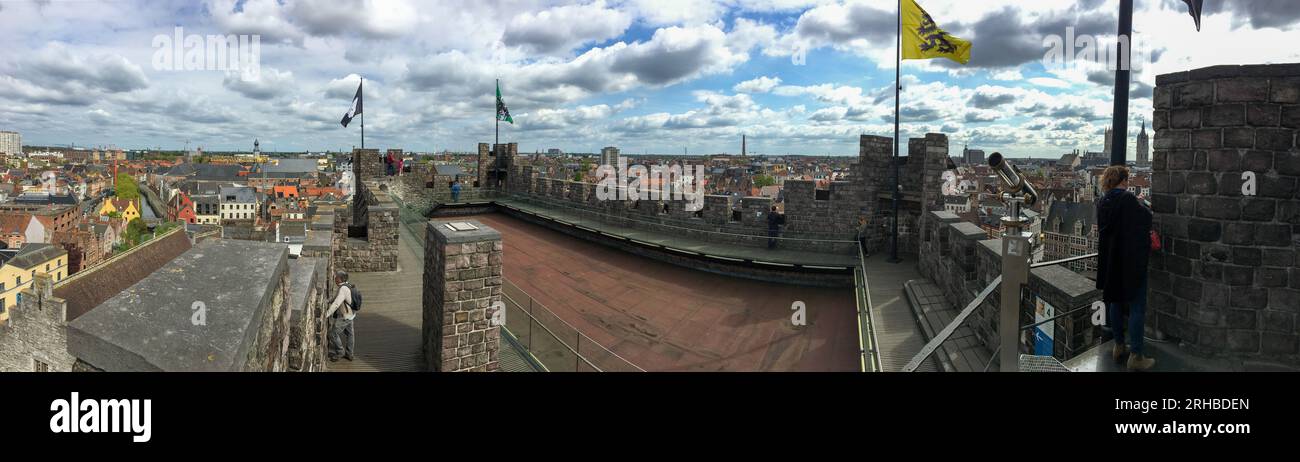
(898, 337)
(963, 352)
(679, 243)
(388, 327)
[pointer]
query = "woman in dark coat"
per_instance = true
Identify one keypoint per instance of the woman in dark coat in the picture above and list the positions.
(1124, 225)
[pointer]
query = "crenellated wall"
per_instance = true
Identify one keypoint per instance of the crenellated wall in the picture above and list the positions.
(365, 235)
(813, 217)
(959, 258)
(1228, 282)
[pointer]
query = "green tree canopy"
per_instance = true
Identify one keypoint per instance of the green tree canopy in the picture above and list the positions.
(126, 187)
(135, 230)
(763, 180)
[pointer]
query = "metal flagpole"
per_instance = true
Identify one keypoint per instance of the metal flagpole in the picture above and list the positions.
(497, 107)
(898, 73)
(361, 99)
(1119, 121)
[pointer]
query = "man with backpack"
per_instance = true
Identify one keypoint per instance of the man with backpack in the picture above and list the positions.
(341, 314)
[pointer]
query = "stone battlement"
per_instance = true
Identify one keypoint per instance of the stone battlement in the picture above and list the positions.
(366, 232)
(1228, 281)
(960, 258)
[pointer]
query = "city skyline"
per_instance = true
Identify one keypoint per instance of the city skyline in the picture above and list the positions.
(801, 77)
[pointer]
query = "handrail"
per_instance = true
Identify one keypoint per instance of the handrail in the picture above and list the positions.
(548, 330)
(933, 344)
(566, 324)
(938, 340)
(1062, 261)
(867, 346)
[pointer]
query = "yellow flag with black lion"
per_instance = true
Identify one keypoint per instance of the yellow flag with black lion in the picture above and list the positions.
(923, 39)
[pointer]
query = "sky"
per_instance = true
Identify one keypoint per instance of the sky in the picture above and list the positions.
(659, 76)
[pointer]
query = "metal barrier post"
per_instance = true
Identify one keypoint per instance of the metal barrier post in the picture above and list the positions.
(1017, 247)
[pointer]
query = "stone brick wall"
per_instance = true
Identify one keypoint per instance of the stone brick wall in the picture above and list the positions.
(462, 281)
(367, 164)
(36, 331)
(309, 291)
(762, 273)
(1228, 282)
(959, 258)
(269, 348)
(835, 217)
(484, 163)
(369, 242)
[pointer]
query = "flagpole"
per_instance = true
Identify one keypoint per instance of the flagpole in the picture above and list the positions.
(497, 110)
(361, 99)
(1123, 58)
(898, 74)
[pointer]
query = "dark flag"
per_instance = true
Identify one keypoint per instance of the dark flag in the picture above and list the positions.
(355, 110)
(1196, 7)
(502, 112)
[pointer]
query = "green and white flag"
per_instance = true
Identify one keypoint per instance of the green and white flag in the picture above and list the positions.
(502, 112)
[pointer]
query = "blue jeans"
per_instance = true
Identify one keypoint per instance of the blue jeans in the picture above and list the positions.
(772, 233)
(1137, 317)
(455, 196)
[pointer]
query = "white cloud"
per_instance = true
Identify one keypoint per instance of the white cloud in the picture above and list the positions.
(270, 83)
(1049, 82)
(560, 29)
(759, 85)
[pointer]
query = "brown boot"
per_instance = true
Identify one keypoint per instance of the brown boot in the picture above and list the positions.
(1138, 362)
(1118, 352)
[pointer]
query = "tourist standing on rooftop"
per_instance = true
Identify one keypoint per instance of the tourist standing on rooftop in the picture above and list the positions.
(1124, 225)
(774, 221)
(455, 191)
(341, 315)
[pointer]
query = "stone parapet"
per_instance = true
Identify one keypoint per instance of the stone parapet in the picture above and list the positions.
(962, 261)
(1226, 197)
(462, 287)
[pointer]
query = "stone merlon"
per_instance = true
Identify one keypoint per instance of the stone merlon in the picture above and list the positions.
(150, 326)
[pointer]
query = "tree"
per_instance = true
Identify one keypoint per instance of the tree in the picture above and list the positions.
(126, 187)
(134, 230)
(763, 180)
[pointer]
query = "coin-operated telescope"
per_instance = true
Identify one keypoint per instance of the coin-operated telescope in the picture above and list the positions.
(1017, 250)
(1013, 183)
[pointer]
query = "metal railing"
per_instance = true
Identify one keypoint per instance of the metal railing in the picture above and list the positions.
(939, 339)
(551, 342)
